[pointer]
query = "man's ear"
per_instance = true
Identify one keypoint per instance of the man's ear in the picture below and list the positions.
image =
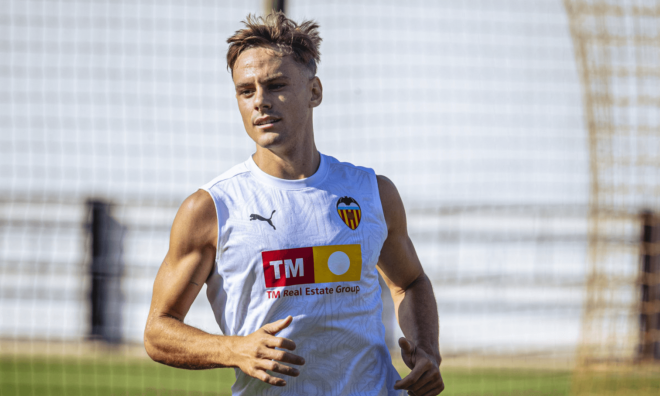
(317, 92)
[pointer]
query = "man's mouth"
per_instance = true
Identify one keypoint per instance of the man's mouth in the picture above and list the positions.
(268, 120)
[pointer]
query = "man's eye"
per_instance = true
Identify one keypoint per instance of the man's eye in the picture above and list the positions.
(276, 86)
(246, 92)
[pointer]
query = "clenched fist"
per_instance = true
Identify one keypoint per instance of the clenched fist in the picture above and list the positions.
(425, 378)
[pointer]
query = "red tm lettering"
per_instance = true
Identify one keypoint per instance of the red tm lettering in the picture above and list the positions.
(288, 267)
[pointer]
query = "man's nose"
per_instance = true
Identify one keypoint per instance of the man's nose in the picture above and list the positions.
(261, 99)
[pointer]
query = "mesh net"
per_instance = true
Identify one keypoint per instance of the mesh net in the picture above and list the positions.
(522, 136)
(618, 55)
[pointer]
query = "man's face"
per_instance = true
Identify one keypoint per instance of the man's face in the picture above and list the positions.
(275, 96)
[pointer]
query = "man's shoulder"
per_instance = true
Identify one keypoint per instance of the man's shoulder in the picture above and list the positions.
(336, 164)
(234, 171)
(196, 221)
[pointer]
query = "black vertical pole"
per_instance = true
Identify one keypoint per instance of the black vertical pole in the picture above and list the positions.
(274, 5)
(106, 235)
(649, 347)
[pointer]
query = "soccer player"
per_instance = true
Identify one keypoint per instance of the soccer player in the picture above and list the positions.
(288, 244)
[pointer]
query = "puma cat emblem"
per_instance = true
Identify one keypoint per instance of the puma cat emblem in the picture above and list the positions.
(268, 220)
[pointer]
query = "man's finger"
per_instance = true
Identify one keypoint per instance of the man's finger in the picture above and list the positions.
(280, 342)
(283, 356)
(424, 381)
(410, 379)
(269, 379)
(433, 391)
(430, 386)
(277, 326)
(407, 352)
(406, 346)
(433, 388)
(281, 368)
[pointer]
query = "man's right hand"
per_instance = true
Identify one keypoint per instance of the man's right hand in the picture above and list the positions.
(254, 354)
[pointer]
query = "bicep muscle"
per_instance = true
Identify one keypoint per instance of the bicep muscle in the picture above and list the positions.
(398, 261)
(190, 258)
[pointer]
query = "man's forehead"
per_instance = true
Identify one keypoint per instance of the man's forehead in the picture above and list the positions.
(259, 55)
(265, 63)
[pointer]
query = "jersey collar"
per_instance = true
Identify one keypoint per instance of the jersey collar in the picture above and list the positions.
(284, 184)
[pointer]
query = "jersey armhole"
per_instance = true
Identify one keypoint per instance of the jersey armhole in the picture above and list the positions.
(377, 202)
(219, 225)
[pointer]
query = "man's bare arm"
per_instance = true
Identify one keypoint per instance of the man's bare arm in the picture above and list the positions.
(180, 278)
(186, 267)
(412, 293)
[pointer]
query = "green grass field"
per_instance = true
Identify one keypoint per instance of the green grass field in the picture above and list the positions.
(55, 376)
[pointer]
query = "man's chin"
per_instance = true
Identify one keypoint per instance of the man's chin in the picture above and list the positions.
(268, 139)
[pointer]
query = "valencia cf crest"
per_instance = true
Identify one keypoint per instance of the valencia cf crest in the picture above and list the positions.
(349, 211)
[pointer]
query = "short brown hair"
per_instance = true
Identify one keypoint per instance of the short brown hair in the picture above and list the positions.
(277, 31)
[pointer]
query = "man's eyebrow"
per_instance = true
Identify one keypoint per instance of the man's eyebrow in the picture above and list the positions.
(264, 81)
(243, 85)
(274, 78)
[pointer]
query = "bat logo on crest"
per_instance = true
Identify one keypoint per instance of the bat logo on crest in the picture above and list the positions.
(349, 211)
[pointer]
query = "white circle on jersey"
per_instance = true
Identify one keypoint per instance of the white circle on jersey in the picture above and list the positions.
(338, 263)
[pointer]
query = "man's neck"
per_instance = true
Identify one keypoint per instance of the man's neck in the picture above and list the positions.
(298, 164)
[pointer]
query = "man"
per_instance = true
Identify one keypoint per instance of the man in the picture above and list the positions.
(288, 244)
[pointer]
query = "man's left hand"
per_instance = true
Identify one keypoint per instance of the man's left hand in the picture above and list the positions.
(425, 378)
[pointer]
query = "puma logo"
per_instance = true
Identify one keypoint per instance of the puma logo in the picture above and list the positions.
(258, 217)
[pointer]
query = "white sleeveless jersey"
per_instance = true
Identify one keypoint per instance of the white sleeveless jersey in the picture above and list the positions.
(306, 248)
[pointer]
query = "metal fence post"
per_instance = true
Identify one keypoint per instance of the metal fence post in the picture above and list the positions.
(649, 348)
(107, 266)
